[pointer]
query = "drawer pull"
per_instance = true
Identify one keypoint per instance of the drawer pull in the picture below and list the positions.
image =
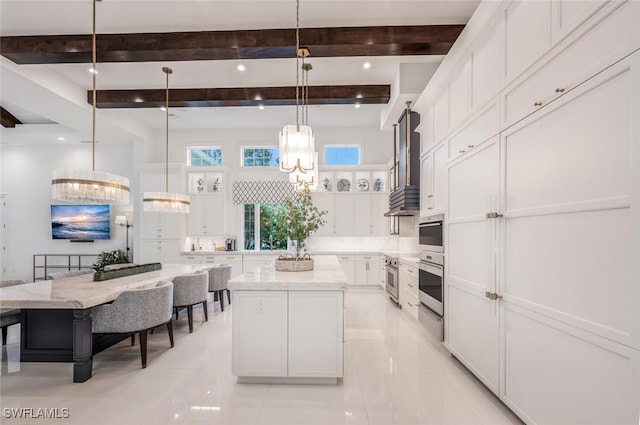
(430, 196)
(410, 285)
(462, 151)
(471, 146)
(560, 90)
(537, 104)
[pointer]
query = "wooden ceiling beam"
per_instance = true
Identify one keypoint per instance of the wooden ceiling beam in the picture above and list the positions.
(7, 119)
(240, 44)
(242, 96)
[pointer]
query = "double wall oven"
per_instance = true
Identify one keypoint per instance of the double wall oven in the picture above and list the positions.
(431, 278)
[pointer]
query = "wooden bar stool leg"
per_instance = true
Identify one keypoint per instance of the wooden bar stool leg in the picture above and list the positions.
(143, 348)
(190, 317)
(205, 307)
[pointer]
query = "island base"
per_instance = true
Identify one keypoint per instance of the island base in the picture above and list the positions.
(286, 380)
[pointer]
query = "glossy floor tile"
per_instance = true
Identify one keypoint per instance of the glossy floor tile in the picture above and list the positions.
(394, 375)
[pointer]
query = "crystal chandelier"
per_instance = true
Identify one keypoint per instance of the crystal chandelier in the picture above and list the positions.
(166, 202)
(299, 177)
(90, 186)
(297, 142)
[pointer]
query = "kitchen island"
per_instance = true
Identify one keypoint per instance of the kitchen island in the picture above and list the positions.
(288, 327)
(56, 314)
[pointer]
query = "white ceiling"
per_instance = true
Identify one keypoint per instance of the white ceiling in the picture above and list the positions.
(26, 17)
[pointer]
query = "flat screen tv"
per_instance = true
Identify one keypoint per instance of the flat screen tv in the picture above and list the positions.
(80, 222)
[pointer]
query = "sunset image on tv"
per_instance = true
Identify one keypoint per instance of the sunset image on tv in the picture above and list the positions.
(80, 222)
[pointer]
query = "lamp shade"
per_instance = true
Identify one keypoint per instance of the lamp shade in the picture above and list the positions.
(89, 187)
(121, 220)
(297, 147)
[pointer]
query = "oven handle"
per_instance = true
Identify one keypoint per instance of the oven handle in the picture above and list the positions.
(437, 223)
(431, 268)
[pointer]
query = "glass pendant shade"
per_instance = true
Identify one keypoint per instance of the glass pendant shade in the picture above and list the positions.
(89, 187)
(302, 179)
(165, 202)
(297, 147)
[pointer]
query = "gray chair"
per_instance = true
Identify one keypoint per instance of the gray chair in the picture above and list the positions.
(189, 290)
(136, 311)
(9, 316)
(60, 275)
(218, 277)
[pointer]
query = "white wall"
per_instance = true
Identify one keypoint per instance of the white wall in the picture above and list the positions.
(25, 179)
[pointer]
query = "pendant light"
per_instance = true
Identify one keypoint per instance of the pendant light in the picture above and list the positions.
(297, 142)
(90, 186)
(301, 178)
(166, 202)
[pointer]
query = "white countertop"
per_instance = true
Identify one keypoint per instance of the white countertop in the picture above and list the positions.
(82, 292)
(409, 260)
(326, 275)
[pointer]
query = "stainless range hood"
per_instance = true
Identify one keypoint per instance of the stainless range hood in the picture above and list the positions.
(404, 198)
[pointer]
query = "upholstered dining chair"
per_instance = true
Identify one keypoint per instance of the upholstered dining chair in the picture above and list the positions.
(9, 316)
(189, 290)
(136, 311)
(219, 275)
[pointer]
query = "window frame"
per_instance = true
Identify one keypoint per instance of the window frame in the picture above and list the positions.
(272, 147)
(351, 145)
(203, 147)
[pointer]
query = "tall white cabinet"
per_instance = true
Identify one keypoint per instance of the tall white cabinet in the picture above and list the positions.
(542, 301)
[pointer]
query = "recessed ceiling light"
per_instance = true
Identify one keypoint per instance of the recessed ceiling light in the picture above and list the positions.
(138, 100)
(93, 70)
(61, 138)
(261, 106)
(162, 108)
(241, 68)
(366, 65)
(359, 96)
(257, 97)
(357, 105)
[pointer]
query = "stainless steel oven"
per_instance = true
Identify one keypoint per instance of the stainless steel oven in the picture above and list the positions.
(431, 293)
(431, 281)
(430, 231)
(391, 271)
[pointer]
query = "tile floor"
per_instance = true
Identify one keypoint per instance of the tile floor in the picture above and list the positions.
(394, 374)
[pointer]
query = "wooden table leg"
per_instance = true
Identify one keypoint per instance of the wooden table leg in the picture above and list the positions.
(82, 345)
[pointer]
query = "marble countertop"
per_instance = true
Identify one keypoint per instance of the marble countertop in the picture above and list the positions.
(82, 292)
(409, 260)
(241, 252)
(326, 275)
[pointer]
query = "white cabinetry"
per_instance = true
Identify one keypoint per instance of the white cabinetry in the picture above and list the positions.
(426, 185)
(159, 251)
(234, 260)
(206, 217)
(441, 115)
(343, 215)
(367, 270)
(472, 331)
(368, 214)
(251, 261)
(459, 94)
(295, 334)
(324, 202)
(433, 185)
(486, 60)
(408, 294)
(348, 266)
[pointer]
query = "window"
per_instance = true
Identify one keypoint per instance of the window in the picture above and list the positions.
(204, 156)
(259, 224)
(342, 155)
(257, 156)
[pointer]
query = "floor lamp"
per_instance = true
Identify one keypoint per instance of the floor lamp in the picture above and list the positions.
(122, 221)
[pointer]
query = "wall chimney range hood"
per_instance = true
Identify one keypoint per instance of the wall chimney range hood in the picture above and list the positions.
(404, 198)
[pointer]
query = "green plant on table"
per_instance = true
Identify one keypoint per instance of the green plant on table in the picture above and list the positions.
(298, 218)
(106, 258)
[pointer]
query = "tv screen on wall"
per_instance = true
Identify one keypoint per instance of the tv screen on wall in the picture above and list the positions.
(80, 222)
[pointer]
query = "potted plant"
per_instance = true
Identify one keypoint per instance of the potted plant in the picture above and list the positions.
(297, 219)
(106, 258)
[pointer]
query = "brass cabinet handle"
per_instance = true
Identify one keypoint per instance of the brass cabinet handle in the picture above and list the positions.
(492, 295)
(471, 146)
(537, 104)
(560, 90)
(429, 196)
(493, 215)
(462, 151)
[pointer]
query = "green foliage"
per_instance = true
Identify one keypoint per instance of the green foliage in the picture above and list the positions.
(268, 236)
(298, 218)
(106, 258)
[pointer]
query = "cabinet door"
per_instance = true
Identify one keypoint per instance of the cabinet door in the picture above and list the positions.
(316, 333)
(486, 60)
(361, 275)
(324, 202)
(348, 266)
(426, 129)
(170, 251)
(441, 115)
(528, 34)
(426, 186)
(362, 214)
(379, 206)
(459, 98)
(440, 178)
(567, 15)
(259, 333)
(149, 251)
(472, 319)
(344, 212)
(206, 217)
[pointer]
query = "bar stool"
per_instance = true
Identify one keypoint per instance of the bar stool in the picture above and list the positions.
(218, 277)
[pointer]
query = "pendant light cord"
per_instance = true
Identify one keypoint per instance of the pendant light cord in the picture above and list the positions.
(167, 71)
(94, 72)
(297, 63)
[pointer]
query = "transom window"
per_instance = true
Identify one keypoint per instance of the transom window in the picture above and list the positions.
(342, 155)
(260, 156)
(204, 156)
